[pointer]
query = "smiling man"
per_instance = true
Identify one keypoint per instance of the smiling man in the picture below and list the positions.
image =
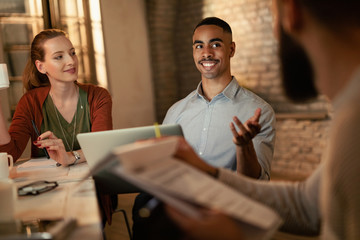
(205, 114)
(319, 52)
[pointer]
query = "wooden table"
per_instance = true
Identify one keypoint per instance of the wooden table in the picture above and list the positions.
(69, 200)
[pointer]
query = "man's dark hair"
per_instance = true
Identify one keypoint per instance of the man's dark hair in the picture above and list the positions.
(336, 14)
(215, 21)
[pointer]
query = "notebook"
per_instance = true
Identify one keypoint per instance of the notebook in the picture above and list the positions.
(98, 145)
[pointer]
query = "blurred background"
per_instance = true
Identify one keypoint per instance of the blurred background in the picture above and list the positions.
(141, 51)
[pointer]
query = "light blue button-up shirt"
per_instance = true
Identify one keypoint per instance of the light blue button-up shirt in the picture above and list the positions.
(206, 125)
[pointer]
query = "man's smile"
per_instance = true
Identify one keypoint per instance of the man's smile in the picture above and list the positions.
(208, 64)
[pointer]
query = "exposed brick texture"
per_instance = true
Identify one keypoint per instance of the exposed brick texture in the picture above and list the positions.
(299, 143)
(299, 147)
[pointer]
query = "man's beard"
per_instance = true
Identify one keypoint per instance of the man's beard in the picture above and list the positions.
(296, 69)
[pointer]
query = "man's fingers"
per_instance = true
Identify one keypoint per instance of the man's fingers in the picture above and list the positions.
(239, 138)
(246, 131)
(257, 115)
(254, 129)
(233, 130)
(239, 124)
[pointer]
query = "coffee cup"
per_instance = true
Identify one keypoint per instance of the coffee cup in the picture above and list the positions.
(4, 77)
(7, 200)
(5, 169)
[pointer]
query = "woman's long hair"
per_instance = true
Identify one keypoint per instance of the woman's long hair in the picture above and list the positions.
(32, 78)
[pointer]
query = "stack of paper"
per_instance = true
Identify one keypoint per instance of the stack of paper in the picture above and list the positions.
(151, 166)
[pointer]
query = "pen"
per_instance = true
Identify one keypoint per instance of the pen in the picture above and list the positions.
(38, 134)
(157, 130)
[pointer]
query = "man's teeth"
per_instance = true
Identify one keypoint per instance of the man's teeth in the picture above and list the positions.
(208, 64)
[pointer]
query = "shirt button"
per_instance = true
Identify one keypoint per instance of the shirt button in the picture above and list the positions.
(200, 153)
(204, 129)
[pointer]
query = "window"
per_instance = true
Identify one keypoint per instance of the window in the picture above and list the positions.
(21, 20)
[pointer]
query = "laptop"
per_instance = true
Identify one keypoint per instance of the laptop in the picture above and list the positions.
(98, 145)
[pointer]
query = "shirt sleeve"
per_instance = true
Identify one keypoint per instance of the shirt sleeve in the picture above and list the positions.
(171, 114)
(341, 193)
(264, 142)
(295, 202)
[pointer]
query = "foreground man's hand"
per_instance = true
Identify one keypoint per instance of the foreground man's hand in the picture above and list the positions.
(187, 154)
(213, 225)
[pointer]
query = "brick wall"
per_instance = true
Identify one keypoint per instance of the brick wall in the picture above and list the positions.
(255, 65)
(161, 20)
(299, 147)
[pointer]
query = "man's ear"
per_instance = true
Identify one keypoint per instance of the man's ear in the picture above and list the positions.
(232, 49)
(291, 16)
(40, 66)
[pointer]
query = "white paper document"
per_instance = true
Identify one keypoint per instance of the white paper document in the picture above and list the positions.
(151, 167)
(38, 163)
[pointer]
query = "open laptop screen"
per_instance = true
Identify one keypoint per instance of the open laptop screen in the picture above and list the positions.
(96, 145)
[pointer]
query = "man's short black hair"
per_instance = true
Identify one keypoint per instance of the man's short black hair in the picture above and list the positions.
(214, 21)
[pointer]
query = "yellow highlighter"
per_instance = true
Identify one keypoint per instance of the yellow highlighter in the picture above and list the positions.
(157, 130)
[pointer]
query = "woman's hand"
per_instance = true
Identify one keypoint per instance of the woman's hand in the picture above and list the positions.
(55, 148)
(213, 225)
(246, 131)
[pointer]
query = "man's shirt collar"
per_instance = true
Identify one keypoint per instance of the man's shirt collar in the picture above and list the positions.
(229, 92)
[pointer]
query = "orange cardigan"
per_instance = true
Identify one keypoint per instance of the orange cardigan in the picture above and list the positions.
(30, 108)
